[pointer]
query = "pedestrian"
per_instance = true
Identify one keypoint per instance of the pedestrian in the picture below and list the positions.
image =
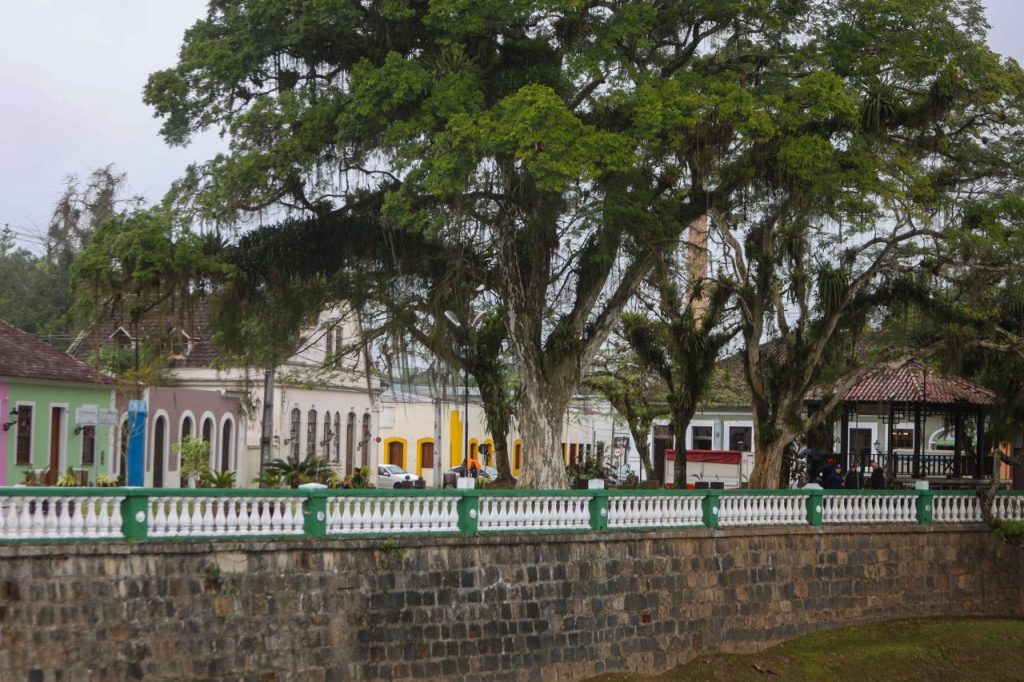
(835, 480)
(877, 476)
(823, 472)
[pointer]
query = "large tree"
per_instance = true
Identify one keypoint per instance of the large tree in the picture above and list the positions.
(400, 284)
(681, 335)
(557, 140)
(854, 174)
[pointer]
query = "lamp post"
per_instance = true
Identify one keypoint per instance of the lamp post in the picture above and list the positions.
(454, 320)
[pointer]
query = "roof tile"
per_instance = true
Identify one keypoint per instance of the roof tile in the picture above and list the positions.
(23, 356)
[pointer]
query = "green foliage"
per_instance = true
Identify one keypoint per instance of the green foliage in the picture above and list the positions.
(217, 479)
(312, 469)
(586, 469)
(195, 457)
(1011, 531)
(268, 479)
(359, 479)
(68, 479)
(105, 481)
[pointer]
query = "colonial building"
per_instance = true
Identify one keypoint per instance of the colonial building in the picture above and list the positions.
(323, 401)
(50, 405)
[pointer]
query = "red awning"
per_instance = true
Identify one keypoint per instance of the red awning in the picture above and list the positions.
(713, 456)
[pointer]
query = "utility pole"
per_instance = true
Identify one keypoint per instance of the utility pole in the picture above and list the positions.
(268, 417)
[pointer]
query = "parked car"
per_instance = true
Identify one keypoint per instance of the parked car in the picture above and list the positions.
(394, 476)
(484, 472)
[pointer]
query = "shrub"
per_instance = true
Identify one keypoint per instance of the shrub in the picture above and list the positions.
(195, 457)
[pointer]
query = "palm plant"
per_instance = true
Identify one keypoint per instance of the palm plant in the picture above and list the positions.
(217, 479)
(313, 469)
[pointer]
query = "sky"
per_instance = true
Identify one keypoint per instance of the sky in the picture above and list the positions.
(72, 73)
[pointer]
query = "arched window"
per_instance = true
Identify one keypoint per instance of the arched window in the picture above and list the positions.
(364, 441)
(293, 436)
(328, 438)
(328, 347)
(208, 437)
(187, 426)
(350, 442)
(225, 445)
(159, 450)
(311, 433)
(337, 436)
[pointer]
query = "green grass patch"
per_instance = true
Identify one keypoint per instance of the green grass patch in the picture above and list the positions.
(952, 649)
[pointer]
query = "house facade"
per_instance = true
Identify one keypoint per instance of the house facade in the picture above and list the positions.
(323, 401)
(411, 417)
(50, 404)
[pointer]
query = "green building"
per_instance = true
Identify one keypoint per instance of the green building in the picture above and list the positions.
(53, 409)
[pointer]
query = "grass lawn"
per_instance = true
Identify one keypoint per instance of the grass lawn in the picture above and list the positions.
(976, 650)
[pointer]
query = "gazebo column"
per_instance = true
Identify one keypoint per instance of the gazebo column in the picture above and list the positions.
(844, 437)
(918, 441)
(980, 454)
(890, 461)
(958, 439)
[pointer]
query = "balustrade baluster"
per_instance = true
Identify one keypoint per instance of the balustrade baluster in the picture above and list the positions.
(157, 516)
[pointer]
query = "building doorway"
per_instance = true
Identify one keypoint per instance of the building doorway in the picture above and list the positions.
(159, 455)
(396, 453)
(56, 424)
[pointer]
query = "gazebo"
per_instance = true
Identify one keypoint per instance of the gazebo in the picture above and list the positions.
(907, 392)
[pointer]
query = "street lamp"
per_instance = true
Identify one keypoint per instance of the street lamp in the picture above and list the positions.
(454, 320)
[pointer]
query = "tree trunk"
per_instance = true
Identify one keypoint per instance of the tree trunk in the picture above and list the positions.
(768, 463)
(498, 422)
(770, 441)
(501, 458)
(540, 424)
(645, 456)
(680, 421)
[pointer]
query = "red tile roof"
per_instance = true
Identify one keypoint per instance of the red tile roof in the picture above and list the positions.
(23, 356)
(155, 327)
(908, 381)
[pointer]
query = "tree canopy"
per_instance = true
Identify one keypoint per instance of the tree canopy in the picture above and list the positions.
(555, 148)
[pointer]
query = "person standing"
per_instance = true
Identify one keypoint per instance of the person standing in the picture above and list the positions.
(877, 476)
(834, 480)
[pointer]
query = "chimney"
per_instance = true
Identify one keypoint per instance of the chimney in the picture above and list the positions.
(697, 263)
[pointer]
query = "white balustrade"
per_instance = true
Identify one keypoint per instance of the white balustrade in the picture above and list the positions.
(642, 511)
(956, 509)
(173, 516)
(352, 515)
(1009, 508)
(534, 513)
(43, 517)
(869, 509)
(762, 510)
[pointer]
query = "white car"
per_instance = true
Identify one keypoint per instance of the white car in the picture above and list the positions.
(392, 475)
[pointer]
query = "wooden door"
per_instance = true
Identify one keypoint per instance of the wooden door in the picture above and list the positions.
(664, 439)
(860, 443)
(55, 419)
(396, 454)
(426, 456)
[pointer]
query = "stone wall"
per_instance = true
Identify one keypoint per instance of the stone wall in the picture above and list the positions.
(522, 607)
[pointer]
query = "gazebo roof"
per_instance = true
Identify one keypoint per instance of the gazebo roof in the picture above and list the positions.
(908, 381)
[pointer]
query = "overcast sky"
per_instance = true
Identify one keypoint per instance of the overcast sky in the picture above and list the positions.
(72, 72)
